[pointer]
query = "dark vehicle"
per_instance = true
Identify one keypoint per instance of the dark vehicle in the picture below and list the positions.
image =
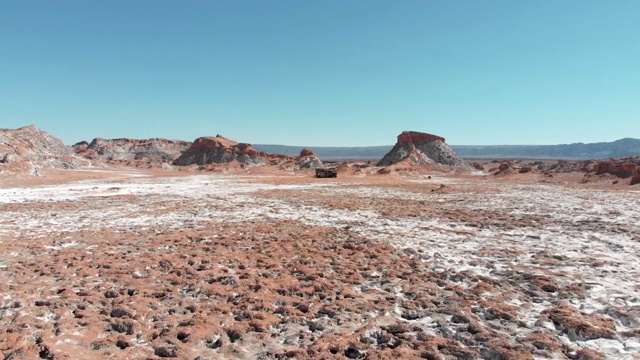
(327, 172)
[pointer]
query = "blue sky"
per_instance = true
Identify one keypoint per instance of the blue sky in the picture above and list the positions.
(323, 73)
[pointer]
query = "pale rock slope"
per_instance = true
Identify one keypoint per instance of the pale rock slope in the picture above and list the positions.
(416, 148)
(28, 149)
(123, 149)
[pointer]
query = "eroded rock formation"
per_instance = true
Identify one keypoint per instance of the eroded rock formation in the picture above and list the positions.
(623, 170)
(28, 149)
(219, 149)
(114, 150)
(421, 148)
(308, 160)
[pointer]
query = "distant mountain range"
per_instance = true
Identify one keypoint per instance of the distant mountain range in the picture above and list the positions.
(576, 151)
(330, 153)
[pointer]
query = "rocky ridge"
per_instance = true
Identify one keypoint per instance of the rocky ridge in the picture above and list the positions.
(123, 149)
(622, 170)
(616, 168)
(416, 148)
(28, 149)
(221, 150)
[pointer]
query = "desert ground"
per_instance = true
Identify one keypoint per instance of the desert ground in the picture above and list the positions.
(122, 263)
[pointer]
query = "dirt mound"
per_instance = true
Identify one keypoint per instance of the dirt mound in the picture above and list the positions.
(28, 149)
(418, 148)
(119, 150)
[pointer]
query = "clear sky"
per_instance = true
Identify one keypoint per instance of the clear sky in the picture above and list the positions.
(323, 73)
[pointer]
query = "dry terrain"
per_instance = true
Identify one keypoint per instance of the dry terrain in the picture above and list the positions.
(135, 264)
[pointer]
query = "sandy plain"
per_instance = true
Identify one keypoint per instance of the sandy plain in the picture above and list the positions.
(136, 264)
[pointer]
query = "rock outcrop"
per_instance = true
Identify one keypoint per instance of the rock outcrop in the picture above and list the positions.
(635, 178)
(604, 170)
(218, 150)
(28, 149)
(118, 150)
(623, 170)
(420, 149)
(309, 160)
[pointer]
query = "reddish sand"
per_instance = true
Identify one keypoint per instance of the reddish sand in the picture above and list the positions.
(269, 263)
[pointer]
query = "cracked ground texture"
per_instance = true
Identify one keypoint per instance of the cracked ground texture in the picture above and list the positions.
(276, 267)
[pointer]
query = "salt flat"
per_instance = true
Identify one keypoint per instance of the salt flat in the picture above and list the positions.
(224, 266)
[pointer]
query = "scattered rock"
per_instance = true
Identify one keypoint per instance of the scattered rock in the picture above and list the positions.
(122, 327)
(111, 294)
(118, 313)
(353, 353)
(139, 274)
(165, 352)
